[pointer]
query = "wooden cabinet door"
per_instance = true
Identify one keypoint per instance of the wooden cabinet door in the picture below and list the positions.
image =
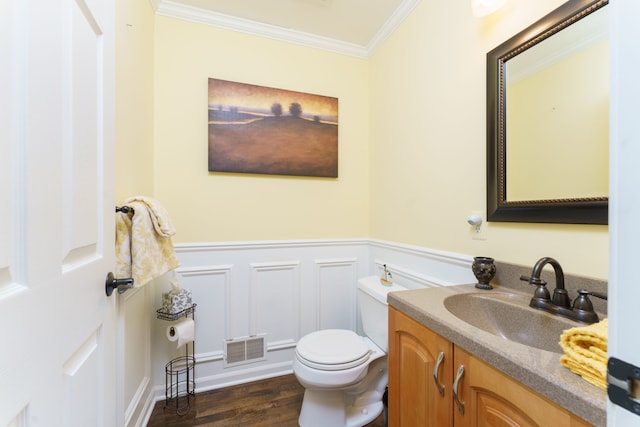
(491, 398)
(414, 398)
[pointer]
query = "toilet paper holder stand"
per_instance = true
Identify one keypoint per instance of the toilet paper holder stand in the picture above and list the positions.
(179, 372)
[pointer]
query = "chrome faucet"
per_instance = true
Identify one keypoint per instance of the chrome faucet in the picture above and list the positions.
(560, 303)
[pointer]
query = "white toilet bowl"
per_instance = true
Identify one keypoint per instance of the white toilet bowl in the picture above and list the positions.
(344, 374)
(343, 391)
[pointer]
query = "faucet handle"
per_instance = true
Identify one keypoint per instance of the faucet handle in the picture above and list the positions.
(597, 294)
(583, 308)
(541, 291)
(582, 301)
(534, 281)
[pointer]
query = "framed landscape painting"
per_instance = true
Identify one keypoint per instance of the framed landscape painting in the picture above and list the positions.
(263, 130)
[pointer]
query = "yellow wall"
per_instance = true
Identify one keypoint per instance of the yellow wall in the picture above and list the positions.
(230, 207)
(412, 140)
(134, 99)
(428, 141)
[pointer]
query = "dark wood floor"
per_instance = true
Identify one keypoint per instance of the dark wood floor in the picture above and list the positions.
(270, 402)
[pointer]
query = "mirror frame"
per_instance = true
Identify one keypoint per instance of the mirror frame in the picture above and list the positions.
(564, 211)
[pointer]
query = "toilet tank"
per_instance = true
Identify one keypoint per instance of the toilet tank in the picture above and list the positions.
(372, 299)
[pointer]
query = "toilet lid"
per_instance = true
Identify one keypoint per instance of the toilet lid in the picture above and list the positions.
(332, 349)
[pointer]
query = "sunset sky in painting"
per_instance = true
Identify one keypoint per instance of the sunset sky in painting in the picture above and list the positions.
(246, 95)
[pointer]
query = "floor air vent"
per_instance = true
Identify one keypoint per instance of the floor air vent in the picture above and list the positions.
(245, 350)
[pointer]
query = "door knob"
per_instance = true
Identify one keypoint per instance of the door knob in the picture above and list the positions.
(120, 284)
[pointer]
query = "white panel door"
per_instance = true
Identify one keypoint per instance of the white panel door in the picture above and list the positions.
(57, 357)
(624, 206)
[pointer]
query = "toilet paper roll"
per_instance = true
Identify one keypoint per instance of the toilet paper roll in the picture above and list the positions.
(183, 332)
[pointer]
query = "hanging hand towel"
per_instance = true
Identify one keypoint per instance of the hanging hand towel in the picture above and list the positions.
(144, 249)
(585, 349)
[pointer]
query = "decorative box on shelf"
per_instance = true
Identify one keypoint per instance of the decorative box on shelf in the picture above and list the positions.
(174, 302)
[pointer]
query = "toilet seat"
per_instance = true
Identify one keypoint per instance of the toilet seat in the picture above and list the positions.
(332, 350)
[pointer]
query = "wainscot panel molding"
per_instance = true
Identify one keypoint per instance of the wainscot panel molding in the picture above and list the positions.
(274, 303)
(285, 290)
(135, 387)
(210, 285)
(416, 267)
(336, 277)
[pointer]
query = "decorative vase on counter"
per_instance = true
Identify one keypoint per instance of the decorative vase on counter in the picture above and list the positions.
(484, 269)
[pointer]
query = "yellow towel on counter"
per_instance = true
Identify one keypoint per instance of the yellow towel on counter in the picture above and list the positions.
(585, 352)
(144, 249)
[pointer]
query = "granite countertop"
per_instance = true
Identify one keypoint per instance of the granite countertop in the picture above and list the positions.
(538, 369)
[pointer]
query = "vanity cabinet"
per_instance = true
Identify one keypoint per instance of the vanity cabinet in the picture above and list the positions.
(414, 398)
(489, 397)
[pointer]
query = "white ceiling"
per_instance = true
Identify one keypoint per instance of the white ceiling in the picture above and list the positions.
(352, 27)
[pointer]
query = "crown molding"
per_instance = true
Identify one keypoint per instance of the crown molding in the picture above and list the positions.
(174, 9)
(390, 26)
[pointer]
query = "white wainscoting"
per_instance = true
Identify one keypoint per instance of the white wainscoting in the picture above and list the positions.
(284, 289)
(416, 267)
(136, 392)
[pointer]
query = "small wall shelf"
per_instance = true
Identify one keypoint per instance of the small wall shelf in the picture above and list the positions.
(175, 316)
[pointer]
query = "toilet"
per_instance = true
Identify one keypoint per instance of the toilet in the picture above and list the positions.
(344, 374)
